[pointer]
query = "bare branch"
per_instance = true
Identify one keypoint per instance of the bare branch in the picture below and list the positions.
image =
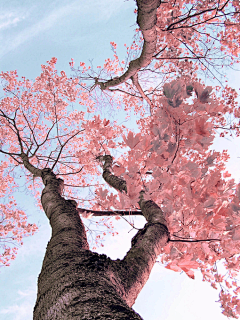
(110, 213)
(63, 145)
(194, 240)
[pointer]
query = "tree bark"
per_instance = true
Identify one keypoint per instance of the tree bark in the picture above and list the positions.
(76, 283)
(147, 20)
(146, 244)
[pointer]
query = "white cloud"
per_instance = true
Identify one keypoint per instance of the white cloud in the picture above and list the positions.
(26, 293)
(18, 312)
(21, 310)
(9, 19)
(102, 10)
(30, 32)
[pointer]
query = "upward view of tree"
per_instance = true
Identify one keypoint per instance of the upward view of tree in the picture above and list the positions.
(166, 172)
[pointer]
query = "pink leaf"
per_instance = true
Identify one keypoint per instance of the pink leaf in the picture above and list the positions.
(173, 267)
(132, 141)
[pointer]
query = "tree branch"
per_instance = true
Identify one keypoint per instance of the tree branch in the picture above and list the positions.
(110, 213)
(194, 240)
(113, 181)
(35, 171)
(137, 85)
(147, 20)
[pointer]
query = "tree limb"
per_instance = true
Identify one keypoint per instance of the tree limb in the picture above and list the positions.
(110, 213)
(147, 20)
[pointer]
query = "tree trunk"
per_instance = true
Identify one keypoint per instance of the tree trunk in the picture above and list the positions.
(76, 283)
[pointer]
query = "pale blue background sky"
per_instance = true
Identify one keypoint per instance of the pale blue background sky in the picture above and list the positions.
(31, 32)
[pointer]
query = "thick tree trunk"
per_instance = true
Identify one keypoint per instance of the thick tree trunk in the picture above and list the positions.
(76, 283)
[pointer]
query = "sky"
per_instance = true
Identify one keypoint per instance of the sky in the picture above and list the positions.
(32, 32)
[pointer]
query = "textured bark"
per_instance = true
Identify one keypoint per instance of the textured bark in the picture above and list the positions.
(134, 270)
(74, 282)
(35, 171)
(147, 20)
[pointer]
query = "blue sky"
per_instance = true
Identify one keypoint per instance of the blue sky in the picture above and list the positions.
(31, 32)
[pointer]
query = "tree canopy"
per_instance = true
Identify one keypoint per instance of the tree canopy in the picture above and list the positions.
(168, 163)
